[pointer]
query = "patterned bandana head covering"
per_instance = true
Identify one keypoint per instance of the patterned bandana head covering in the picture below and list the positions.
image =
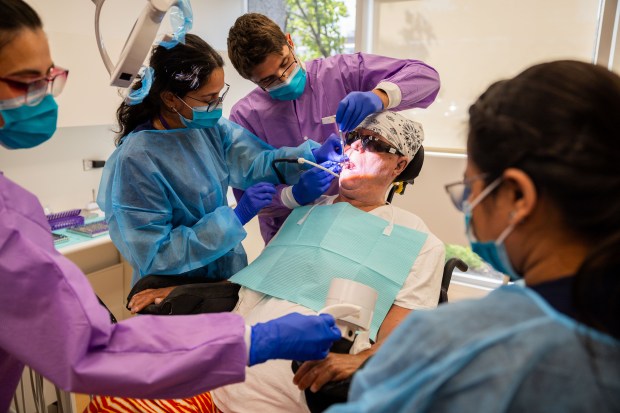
(404, 134)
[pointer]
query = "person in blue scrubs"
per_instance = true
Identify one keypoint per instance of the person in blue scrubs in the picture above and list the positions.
(164, 188)
(540, 198)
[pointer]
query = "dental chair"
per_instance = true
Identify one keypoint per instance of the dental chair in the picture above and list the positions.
(407, 176)
(191, 295)
(112, 318)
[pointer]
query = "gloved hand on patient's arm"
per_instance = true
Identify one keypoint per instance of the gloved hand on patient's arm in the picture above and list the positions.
(293, 337)
(253, 200)
(314, 182)
(331, 150)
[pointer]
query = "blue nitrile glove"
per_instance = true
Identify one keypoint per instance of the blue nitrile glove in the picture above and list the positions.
(293, 337)
(331, 150)
(354, 108)
(254, 199)
(313, 183)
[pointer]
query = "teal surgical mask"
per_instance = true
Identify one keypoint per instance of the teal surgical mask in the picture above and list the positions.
(493, 252)
(292, 87)
(29, 126)
(202, 117)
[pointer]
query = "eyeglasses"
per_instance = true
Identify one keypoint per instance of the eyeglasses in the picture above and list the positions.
(369, 143)
(211, 106)
(280, 79)
(459, 192)
(33, 91)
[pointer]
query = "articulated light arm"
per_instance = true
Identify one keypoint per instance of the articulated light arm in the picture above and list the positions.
(138, 44)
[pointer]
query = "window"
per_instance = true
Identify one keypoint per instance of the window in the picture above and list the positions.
(319, 28)
(474, 43)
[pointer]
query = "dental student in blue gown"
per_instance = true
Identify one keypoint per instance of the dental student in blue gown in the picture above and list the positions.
(164, 188)
(540, 200)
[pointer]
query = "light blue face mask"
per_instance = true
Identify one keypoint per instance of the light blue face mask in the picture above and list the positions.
(29, 126)
(292, 87)
(493, 252)
(201, 117)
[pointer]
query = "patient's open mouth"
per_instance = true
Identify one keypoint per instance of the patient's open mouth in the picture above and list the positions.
(348, 165)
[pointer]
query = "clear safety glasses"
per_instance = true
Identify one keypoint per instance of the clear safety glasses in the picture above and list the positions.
(209, 106)
(280, 79)
(33, 91)
(370, 143)
(459, 192)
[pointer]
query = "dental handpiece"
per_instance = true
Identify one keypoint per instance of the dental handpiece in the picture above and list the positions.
(302, 160)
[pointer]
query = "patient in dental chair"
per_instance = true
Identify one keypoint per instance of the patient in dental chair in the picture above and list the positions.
(354, 235)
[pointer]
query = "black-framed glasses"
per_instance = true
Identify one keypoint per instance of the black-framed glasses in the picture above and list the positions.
(460, 191)
(33, 91)
(370, 143)
(280, 79)
(212, 105)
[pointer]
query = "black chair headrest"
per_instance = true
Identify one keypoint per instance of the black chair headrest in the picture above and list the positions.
(407, 176)
(412, 170)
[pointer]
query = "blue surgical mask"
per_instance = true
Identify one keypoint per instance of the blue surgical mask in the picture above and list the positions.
(29, 126)
(493, 252)
(292, 87)
(201, 117)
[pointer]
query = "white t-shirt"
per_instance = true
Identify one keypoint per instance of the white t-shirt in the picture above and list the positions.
(269, 387)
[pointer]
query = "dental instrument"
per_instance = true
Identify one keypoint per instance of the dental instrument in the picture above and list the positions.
(332, 119)
(316, 165)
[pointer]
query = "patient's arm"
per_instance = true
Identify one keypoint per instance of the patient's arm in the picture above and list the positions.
(336, 367)
(149, 296)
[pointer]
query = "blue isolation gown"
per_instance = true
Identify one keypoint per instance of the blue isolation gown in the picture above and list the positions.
(508, 352)
(164, 196)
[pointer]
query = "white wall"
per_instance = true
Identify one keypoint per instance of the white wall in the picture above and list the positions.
(53, 171)
(88, 99)
(428, 199)
(474, 43)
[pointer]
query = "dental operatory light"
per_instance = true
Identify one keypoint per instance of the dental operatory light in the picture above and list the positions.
(138, 44)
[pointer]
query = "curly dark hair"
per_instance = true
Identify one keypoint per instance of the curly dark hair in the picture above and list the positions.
(181, 69)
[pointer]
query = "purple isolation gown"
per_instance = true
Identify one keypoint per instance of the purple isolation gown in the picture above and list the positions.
(50, 319)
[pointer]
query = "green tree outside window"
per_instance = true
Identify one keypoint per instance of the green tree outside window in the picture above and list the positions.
(316, 26)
